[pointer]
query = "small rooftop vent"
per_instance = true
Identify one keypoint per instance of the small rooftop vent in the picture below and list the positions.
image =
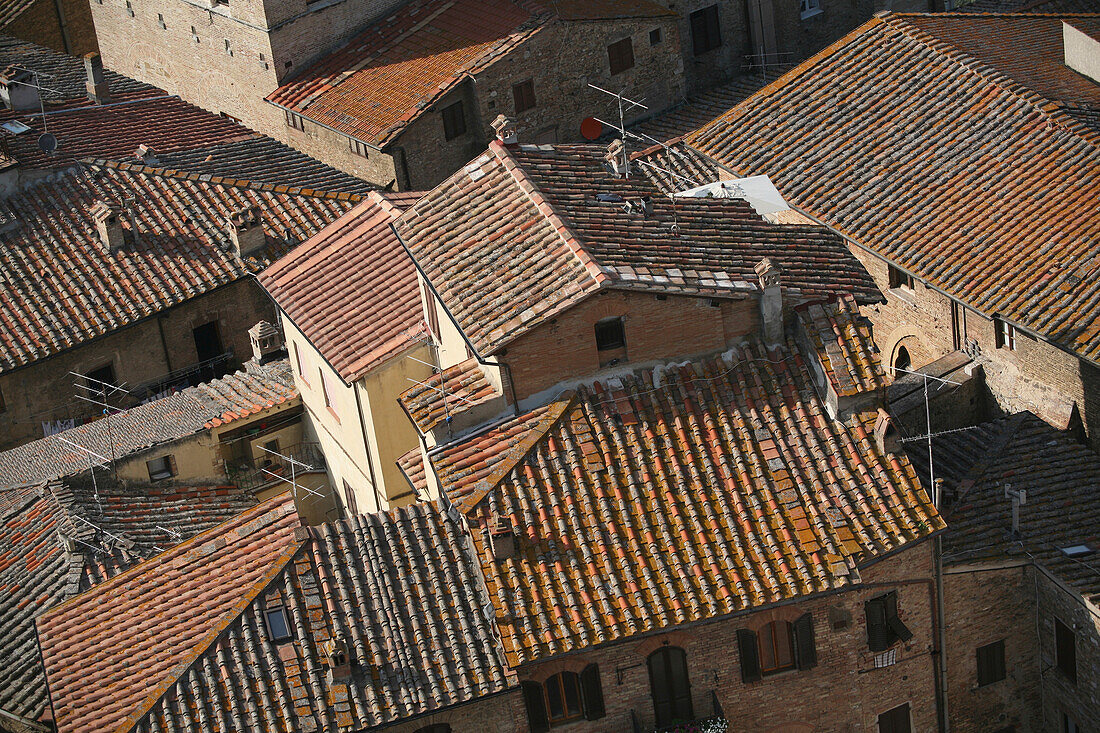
(108, 224)
(886, 434)
(505, 129)
(267, 342)
(1082, 51)
(616, 158)
(502, 537)
(145, 154)
(337, 657)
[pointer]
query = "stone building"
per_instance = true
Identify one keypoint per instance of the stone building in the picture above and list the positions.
(63, 25)
(407, 99)
(970, 216)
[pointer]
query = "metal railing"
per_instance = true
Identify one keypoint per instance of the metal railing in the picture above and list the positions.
(255, 476)
(189, 376)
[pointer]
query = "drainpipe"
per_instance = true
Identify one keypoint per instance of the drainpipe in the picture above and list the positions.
(64, 24)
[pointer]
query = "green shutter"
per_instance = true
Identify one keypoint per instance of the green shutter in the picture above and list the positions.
(878, 633)
(592, 693)
(536, 708)
(897, 628)
(804, 647)
(750, 655)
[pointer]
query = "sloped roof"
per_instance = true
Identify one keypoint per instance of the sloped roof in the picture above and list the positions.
(1029, 6)
(12, 9)
(37, 570)
(454, 390)
(1062, 480)
(677, 494)
(61, 287)
(908, 137)
(841, 338)
(385, 77)
(217, 402)
(401, 589)
(521, 233)
(360, 322)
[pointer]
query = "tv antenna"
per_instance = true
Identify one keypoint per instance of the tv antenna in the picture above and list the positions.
(625, 105)
(294, 464)
(102, 392)
(437, 371)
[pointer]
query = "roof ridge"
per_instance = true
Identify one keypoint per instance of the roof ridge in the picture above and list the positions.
(993, 452)
(209, 178)
(568, 236)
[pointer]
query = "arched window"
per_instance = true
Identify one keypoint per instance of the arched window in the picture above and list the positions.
(902, 361)
(562, 698)
(775, 647)
(434, 728)
(669, 685)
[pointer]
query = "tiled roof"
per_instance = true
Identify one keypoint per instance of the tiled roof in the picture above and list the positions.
(184, 413)
(1029, 6)
(676, 167)
(902, 140)
(37, 570)
(386, 77)
(356, 324)
(1062, 481)
(608, 9)
(677, 494)
(400, 589)
(12, 9)
(455, 389)
(841, 337)
(60, 285)
(521, 234)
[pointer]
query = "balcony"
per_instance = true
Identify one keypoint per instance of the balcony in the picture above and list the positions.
(714, 723)
(276, 468)
(197, 373)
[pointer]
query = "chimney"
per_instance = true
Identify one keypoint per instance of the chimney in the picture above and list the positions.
(246, 231)
(96, 81)
(145, 154)
(18, 89)
(109, 225)
(502, 537)
(771, 301)
(505, 128)
(1082, 51)
(616, 158)
(337, 658)
(267, 342)
(886, 435)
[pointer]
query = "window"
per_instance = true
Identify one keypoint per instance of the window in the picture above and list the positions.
(101, 378)
(349, 500)
(655, 37)
(1006, 334)
(669, 685)
(1065, 650)
(454, 120)
(3, 405)
(524, 95)
(1069, 725)
(777, 647)
(621, 56)
(895, 720)
(329, 402)
(208, 341)
(565, 697)
(228, 48)
(706, 35)
(883, 625)
(434, 728)
(263, 60)
(295, 121)
(194, 34)
(903, 363)
(277, 625)
(898, 278)
(161, 468)
(430, 309)
(991, 663)
(160, 21)
(359, 147)
(272, 446)
(610, 334)
(129, 8)
(809, 8)
(298, 362)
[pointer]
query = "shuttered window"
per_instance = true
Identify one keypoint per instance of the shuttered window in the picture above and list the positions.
(536, 707)
(991, 663)
(705, 32)
(805, 645)
(564, 697)
(592, 693)
(774, 643)
(669, 685)
(620, 56)
(777, 647)
(750, 655)
(454, 120)
(523, 94)
(883, 625)
(1065, 650)
(562, 694)
(895, 720)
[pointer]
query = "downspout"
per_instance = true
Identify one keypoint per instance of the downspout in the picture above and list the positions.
(64, 24)
(473, 350)
(941, 634)
(164, 342)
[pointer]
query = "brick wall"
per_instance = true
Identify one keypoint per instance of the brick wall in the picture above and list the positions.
(143, 352)
(503, 712)
(844, 692)
(41, 24)
(565, 348)
(1079, 700)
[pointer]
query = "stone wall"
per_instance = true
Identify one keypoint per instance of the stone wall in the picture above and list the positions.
(1061, 696)
(41, 24)
(503, 712)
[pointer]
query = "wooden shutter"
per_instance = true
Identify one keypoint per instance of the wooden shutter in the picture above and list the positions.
(805, 649)
(878, 633)
(897, 628)
(536, 708)
(592, 693)
(750, 655)
(1065, 650)
(172, 464)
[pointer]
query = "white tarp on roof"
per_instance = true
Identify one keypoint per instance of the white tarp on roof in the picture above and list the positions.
(758, 191)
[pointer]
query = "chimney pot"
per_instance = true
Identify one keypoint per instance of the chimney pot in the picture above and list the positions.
(502, 538)
(505, 129)
(886, 434)
(337, 657)
(771, 301)
(96, 81)
(108, 224)
(145, 154)
(616, 157)
(267, 342)
(245, 228)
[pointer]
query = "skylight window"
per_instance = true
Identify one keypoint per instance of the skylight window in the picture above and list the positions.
(15, 127)
(1076, 550)
(277, 625)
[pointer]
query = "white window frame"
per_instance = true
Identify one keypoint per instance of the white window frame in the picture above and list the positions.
(1006, 335)
(810, 8)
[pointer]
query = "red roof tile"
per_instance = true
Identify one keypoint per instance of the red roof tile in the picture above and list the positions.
(360, 323)
(454, 390)
(909, 137)
(842, 340)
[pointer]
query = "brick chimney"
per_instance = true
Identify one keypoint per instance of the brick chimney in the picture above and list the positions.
(616, 158)
(109, 225)
(886, 434)
(17, 89)
(267, 342)
(96, 81)
(337, 658)
(771, 301)
(146, 155)
(246, 231)
(505, 129)
(502, 538)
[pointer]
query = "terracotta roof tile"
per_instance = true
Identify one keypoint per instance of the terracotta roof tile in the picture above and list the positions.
(382, 310)
(452, 391)
(910, 137)
(842, 340)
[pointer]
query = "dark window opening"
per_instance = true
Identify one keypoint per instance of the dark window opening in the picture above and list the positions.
(358, 147)
(610, 334)
(620, 55)
(349, 500)
(991, 663)
(895, 720)
(655, 37)
(777, 647)
(1069, 725)
(563, 697)
(669, 685)
(434, 728)
(454, 120)
(277, 625)
(3, 405)
(1006, 334)
(296, 121)
(524, 95)
(208, 341)
(899, 279)
(430, 310)
(1065, 650)
(902, 361)
(161, 468)
(706, 34)
(102, 377)
(884, 628)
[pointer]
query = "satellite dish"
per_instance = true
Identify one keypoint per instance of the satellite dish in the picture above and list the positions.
(47, 141)
(591, 128)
